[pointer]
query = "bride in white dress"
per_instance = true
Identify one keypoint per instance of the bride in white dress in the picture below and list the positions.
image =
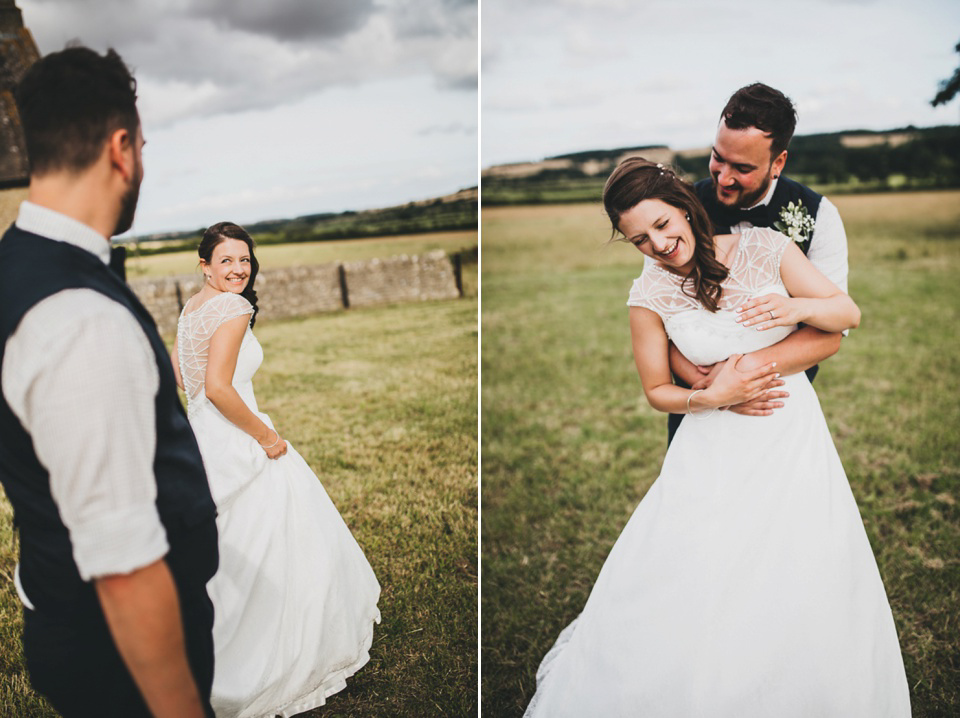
(294, 598)
(743, 585)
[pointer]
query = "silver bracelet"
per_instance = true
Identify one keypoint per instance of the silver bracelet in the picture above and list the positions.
(691, 411)
(274, 443)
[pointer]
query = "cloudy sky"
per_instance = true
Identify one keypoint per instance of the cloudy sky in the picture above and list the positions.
(259, 109)
(560, 76)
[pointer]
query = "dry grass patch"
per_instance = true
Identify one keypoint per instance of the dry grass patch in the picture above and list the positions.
(382, 405)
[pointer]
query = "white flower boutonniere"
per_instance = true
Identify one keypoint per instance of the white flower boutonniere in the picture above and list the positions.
(796, 222)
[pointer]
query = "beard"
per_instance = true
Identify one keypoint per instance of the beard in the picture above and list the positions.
(128, 208)
(128, 205)
(743, 200)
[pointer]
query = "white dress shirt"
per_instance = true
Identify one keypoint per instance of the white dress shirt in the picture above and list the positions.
(80, 375)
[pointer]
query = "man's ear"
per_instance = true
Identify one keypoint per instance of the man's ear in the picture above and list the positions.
(777, 167)
(121, 151)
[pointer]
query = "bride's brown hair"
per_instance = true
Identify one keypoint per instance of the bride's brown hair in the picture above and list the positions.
(636, 179)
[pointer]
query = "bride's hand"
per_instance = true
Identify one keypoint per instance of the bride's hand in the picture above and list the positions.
(771, 310)
(732, 386)
(761, 406)
(276, 448)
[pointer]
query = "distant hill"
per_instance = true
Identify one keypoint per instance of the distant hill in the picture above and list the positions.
(440, 214)
(848, 161)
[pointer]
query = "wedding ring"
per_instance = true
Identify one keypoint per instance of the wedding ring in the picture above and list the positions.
(771, 315)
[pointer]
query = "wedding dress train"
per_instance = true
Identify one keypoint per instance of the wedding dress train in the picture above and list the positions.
(294, 598)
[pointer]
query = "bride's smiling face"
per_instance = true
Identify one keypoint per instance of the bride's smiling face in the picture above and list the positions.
(660, 231)
(229, 266)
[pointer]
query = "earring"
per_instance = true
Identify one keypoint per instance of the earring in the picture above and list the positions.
(688, 216)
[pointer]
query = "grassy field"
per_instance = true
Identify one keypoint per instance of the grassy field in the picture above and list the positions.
(382, 404)
(274, 256)
(570, 446)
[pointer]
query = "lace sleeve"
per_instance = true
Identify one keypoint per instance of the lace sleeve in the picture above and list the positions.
(228, 306)
(637, 296)
(195, 331)
(660, 291)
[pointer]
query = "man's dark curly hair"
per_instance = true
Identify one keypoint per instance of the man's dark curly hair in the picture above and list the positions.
(70, 102)
(769, 110)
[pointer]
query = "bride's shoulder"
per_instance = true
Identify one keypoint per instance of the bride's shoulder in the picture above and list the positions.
(652, 286)
(759, 245)
(227, 305)
(231, 301)
(766, 238)
(221, 307)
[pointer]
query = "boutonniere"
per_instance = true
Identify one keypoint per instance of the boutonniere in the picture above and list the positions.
(796, 222)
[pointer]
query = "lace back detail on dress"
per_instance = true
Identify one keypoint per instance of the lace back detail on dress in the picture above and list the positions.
(756, 266)
(194, 332)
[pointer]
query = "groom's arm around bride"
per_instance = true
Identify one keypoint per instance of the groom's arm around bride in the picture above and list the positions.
(746, 188)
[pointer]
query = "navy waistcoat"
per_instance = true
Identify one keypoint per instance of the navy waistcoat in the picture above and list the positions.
(33, 268)
(787, 191)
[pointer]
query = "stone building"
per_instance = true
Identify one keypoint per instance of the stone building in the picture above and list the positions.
(17, 52)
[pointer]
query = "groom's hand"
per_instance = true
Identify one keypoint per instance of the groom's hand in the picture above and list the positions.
(707, 375)
(763, 406)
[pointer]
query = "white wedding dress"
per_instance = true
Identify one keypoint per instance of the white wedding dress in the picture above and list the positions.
(743, 585)
(294, 598)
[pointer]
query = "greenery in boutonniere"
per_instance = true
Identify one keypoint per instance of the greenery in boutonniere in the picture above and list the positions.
(795, 222)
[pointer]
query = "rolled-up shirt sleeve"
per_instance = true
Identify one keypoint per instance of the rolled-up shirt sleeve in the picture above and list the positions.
(828, 247)
(80, 375)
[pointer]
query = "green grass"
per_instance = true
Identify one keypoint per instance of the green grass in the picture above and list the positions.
(382, 403)
(274, 256)
(570, 446)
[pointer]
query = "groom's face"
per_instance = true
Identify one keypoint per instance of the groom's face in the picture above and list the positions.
(742, 167)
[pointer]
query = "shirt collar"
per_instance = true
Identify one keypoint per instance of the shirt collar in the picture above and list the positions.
(767, 197)
(54, 225)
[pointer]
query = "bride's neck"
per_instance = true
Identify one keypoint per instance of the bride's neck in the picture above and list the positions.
(724, 246)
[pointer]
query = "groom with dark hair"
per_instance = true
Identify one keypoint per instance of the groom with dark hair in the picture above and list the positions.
(117, 526)
(747, 188)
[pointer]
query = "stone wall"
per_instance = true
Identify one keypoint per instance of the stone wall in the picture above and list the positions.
(300, 291)
(10, 200)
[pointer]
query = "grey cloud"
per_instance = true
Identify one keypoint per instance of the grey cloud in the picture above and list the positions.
(287, 19)
(55, 22)
(205, 57)
(436, 18)
(454, 128)
(466, 82)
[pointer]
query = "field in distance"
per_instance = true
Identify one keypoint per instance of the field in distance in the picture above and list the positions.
(274, 256)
